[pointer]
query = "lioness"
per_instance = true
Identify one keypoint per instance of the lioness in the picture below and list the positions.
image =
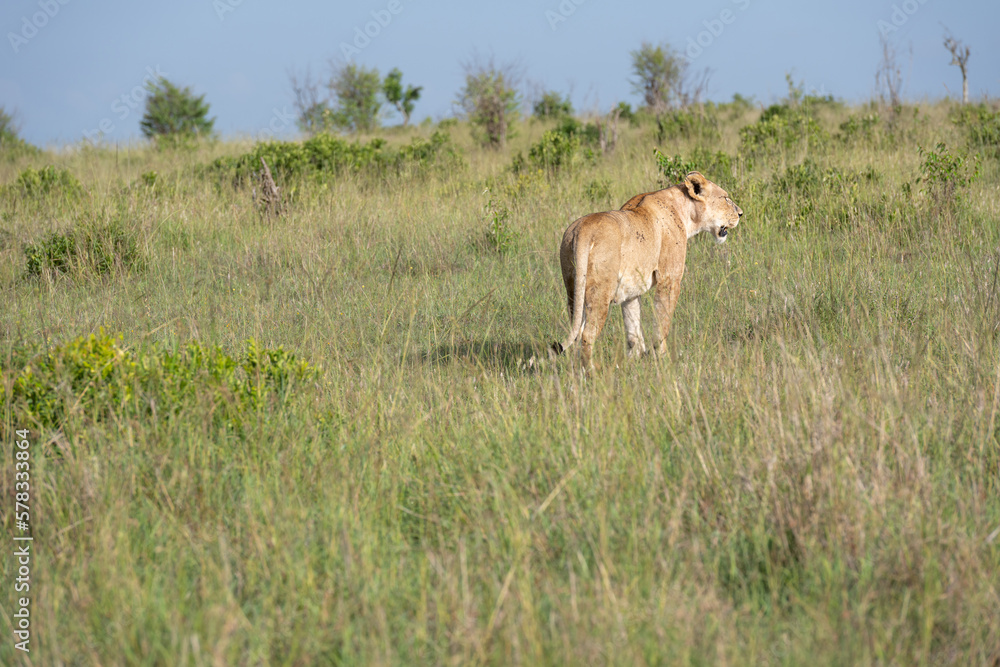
(617, 256)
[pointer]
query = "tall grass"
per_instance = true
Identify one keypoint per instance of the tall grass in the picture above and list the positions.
(811, 474)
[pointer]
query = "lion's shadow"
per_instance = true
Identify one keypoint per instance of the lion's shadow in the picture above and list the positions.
(502, 355)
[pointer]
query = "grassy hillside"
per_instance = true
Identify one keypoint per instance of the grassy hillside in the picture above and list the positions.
(334, 436)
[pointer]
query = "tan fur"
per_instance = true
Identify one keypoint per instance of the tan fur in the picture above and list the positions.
(617, 256)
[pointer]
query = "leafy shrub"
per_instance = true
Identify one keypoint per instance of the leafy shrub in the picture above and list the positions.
(97, 246)
(982, 127)
(740, 103)
(47, 181)
(552, 105)
(56, 252)
(588, 134)
(95, 376)
(716, 166)
(859, 128)
(325, 157)
(674, 169)
(554, 151)
(781, 128)
(805, 178)
(687, 124)
(944, 175)
(598, 191)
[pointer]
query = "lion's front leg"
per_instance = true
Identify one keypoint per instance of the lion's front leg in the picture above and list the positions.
(668, 288)
(633, 327)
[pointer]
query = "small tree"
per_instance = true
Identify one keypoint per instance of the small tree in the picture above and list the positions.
(888, 76)
(658, 71)
(11, 143)
(315, 115)
(959, 56)
(552, 105)
(490, 100)
(399, 97)
(174, 113)
(355, 90)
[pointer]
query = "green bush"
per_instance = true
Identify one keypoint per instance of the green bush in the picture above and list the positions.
(56, 253)
(685, 124)
(781, 128)
(552, 105)
(325, 157)
(859, 128)
(805, 179)
(598, 191)
(95, 376)
(554, 152)
(714, 165)
(674, 169)
(47, 181)
(945, 176)
(93, 246)
(981, 125)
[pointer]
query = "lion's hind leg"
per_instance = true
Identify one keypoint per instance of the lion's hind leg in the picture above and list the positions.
(595, 314)
(633, 327)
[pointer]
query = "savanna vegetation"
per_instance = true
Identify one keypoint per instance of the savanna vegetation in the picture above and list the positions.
(333, 435)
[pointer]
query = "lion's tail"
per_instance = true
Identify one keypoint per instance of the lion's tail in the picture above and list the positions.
(579, 291)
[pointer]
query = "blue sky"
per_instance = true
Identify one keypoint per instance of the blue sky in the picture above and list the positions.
(65, 65)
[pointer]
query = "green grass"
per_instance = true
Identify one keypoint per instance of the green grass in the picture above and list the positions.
(811, 475)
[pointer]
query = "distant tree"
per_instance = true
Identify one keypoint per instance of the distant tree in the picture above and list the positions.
(11, 143)
(396, 95)
(959, 56)
(315, 114)
(355, 92)
(742, 103)
(552, 105)
(174, 113)
(490, 100)
(625, 111)
(657, 71)
(888, 76)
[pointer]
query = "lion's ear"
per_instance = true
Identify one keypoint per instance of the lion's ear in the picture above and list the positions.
(695, 184)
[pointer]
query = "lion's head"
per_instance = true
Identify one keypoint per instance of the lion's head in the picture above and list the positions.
(714, 210)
